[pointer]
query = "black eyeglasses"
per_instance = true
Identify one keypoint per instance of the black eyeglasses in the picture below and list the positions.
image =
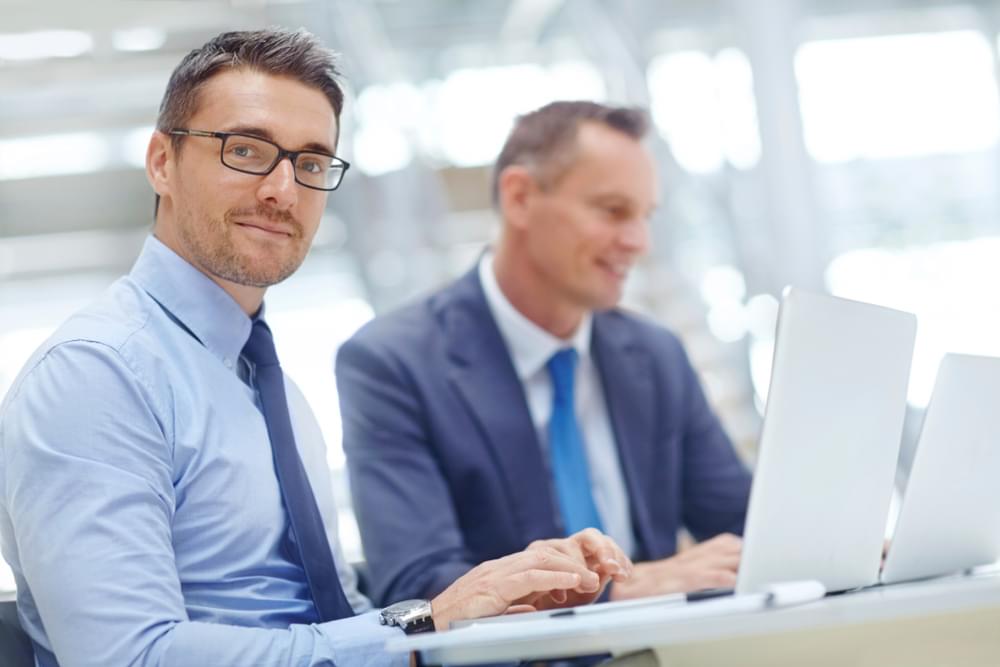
(253, 155)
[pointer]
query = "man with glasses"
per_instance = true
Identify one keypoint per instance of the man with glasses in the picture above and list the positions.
(519, 403)
(165, 498)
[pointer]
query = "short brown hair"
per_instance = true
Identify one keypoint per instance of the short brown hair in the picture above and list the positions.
(280, 52)
(545, 138)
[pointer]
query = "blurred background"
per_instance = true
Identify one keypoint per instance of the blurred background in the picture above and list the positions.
(849, 146)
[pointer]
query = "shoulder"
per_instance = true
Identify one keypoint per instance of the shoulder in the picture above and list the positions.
(122, 311)
(395, 328)
(417, 328)
(104, 344)
(659, 349)
(109, 325)
(642, 331)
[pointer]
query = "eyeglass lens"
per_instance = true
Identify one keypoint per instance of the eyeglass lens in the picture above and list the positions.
(258, 157)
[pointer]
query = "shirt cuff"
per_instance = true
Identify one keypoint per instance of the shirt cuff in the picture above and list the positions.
(361, 641)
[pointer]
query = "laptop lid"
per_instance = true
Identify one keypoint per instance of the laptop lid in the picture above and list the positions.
(949, 519)
(829, 443)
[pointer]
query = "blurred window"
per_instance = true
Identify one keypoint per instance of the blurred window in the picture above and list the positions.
(704, 108)
(464, 119)
(898, 96)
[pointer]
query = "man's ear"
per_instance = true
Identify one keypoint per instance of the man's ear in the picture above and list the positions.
(516, 187)
(160, 163)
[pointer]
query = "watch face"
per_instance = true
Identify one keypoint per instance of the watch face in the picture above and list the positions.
(410, 615)
(406, 607)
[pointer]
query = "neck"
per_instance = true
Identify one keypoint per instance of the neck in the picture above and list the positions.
(530, 292)
(248, 298)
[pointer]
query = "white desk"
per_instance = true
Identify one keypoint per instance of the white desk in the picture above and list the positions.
(943, 623)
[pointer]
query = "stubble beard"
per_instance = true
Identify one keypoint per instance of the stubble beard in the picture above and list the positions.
(211, 244)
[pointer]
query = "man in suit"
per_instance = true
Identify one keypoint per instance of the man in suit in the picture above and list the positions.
(518, 404)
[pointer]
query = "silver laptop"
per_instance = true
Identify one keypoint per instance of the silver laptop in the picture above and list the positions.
(828, 449)
(949, 519)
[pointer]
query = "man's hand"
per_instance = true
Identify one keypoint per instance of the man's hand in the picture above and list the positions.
(710, 564)
(598, 552)
(547, 574)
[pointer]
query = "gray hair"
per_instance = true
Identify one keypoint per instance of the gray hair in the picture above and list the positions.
(545, 139)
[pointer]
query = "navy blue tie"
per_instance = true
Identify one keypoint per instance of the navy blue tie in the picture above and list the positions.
(569, 459)
(300, 503)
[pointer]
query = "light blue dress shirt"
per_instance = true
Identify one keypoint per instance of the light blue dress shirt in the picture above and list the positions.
(139, 508)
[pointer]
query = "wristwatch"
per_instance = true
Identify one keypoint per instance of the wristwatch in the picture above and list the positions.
(410, 616)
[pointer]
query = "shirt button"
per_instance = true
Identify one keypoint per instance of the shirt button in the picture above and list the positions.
(228, 363)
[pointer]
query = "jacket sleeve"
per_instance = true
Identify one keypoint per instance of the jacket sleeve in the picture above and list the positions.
(716, 483)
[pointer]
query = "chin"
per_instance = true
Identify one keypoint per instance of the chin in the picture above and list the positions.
(603, 301)
(610, 294)
(608, 304)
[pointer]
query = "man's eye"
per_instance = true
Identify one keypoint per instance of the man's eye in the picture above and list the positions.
(310, 166)
(244, 151)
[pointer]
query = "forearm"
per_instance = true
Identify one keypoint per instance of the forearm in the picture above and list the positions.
(716, 489)
(346, 643)
(716, 483)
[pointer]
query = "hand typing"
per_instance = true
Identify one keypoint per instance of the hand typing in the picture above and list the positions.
(549, 573)
(710, 564)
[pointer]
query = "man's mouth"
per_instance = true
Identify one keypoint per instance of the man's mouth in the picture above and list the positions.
(618, 269)
(266, 228)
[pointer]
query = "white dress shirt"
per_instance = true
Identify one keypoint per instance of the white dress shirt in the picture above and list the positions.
(530, 347)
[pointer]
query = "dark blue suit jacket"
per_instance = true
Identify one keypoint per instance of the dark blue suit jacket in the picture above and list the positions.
(445, 466)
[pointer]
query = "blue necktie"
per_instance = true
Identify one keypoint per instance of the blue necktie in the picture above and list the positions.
(300, 503)
(569, 460)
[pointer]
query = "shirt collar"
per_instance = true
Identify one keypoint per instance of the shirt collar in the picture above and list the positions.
(530, 345)
(193, 299)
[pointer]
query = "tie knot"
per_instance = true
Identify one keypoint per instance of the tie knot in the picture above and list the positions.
(562, 366)
(260, 347)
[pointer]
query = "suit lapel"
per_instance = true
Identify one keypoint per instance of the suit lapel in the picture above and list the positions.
(630, 393)
(483, 375)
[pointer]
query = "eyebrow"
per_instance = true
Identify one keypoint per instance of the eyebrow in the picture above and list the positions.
(617, 199)
(266, 134)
